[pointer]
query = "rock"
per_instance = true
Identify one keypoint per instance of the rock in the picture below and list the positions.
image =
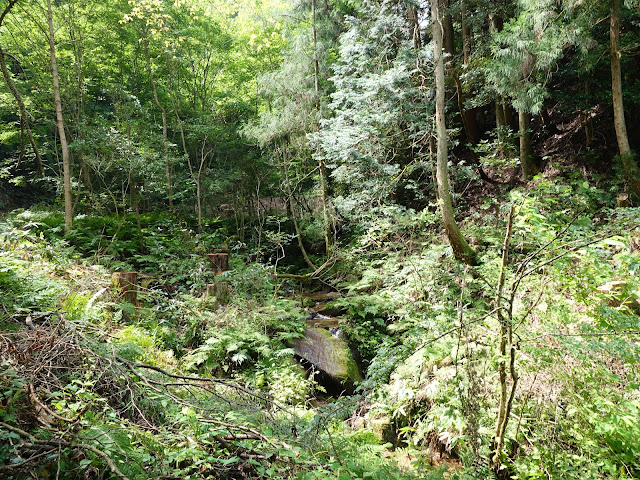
(306, 302)
(329, 354)
(322, 321)
(331, 309)
(358, 423)
(321, 296)
(383, 429)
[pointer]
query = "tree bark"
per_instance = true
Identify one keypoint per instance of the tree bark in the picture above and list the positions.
(219, 290)
(622, 200)
(629, 164)
(466, 36)
(461, 248)
(447, 28)
(134, 202)
(219, 262)
(616, 81)
(64, 146)
(506, 345)
(24, 116)
(527, 162)
(292, 206)
(163, 111)
(127, 284)
(324, 181)
(414, 26)
(587, 122)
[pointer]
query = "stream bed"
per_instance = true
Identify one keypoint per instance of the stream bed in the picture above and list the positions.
(324, 348)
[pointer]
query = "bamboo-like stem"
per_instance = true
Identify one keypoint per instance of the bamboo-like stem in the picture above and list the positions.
(506, 339)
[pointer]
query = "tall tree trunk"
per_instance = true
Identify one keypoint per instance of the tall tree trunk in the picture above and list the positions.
(616, 81)
(587, 122)
(134, 202)
(163, 111)
(629, 163)
(466, 36)
(414, 26)
(468, 116)
(198, 178)
(527, 162)
(286, 164)
(78, 55)
(328, 233)
(24, 116)
(447, 28)
(495, 25)
(461, 249)
(64, 146)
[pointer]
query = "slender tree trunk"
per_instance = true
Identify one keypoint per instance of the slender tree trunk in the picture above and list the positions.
(527, 161)
(495, 25)
(199, 203)
(500, 120)
(506, 346)
(328, 234)
(466, 35)
(135, 205)
(616, 81)
(461, 248)
(292, 207)
(447, 28)
(316, 63)
(414, 26)
(587, 123)
(468, 117)
(198, 178)
(78, 54)
(24, 116)
(629, 163)
(509, 119)
(163, 111)
(64, 146)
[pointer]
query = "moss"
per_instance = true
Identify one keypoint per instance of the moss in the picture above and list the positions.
(328, 353)
(343, 358)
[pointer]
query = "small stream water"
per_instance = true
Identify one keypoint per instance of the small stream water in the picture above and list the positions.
(325, 349)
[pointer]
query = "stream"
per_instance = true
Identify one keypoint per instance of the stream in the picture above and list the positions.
(324, 349)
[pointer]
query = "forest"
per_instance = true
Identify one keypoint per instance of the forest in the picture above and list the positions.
(319, 239)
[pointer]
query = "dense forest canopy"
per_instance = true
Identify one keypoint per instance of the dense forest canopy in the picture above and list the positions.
(319, 239)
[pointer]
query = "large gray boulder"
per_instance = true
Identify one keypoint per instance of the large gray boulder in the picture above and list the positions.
(329, 354)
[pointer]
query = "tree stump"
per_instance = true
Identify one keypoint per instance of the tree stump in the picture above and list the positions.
(623, 200)
(219, 290)
(219, 262)
(127, 284)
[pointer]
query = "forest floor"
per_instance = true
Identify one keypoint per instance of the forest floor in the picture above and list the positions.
(175, 384)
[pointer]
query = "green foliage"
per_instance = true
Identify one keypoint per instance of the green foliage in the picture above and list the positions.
(525, 51)
(254, 346)
(366, 325)
(347, 86)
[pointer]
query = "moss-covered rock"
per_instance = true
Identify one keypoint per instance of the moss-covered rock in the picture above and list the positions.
(328, 353)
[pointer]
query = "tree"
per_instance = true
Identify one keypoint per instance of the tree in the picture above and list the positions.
(626, 154)
(64, 146)
(24, 116)
(524, 53)
(461, 248)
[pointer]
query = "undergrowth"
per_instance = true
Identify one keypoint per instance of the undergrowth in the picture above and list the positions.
(181, 386)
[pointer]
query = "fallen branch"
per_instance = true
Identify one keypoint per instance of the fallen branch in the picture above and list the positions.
(63, 443)
(34, 398)
(305, 276)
